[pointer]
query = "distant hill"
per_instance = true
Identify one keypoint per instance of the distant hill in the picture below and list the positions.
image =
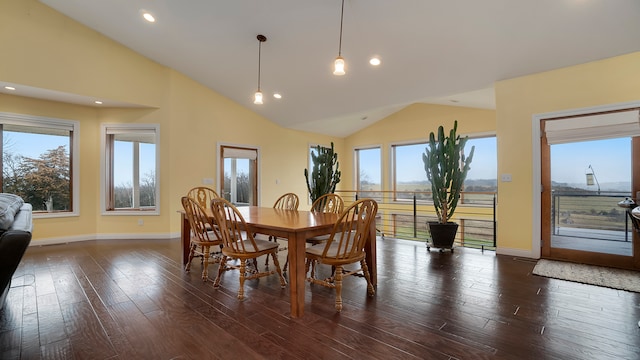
(489, 185)
(624, 187)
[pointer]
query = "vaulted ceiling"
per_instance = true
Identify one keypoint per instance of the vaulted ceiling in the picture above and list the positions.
(433, 51)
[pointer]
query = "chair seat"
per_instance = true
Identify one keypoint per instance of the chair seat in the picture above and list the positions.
(317, 250)
(264, 246)
(261, 244)
(318, 239)
(212, 242)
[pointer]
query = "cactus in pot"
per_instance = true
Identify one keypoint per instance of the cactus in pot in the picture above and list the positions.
(446, 166)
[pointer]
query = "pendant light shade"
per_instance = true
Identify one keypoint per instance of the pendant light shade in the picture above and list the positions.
(338, 65)
(257, 98)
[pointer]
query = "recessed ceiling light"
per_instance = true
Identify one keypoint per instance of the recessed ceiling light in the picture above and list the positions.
(98, 102)
(375, 61)
(147, 16)
(9, 88)
(277, 96)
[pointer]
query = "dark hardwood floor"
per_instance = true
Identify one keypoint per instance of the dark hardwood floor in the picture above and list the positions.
(132, 300)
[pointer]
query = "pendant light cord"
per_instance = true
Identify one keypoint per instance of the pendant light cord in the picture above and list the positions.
(341, 20)
(259, 62)
(261, 38)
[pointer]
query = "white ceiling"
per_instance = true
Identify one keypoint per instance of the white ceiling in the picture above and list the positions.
(434, 51)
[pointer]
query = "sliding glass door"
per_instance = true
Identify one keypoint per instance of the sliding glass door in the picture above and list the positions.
(588, 168)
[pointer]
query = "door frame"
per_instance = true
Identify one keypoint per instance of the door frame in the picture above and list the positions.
(536, 163)
(219, 166)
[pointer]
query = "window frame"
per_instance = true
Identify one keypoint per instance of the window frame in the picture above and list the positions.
(105, 168)
(74, 154)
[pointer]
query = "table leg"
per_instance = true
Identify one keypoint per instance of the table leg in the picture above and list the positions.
(370, 248)
(296, 256)
(185, 241)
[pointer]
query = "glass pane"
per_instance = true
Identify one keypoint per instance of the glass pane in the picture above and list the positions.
(147, 169)
(409, 172)
(369, 172)
(123, 174)
(36, 167)
(238, 181)
(482, 176)
(588, 180)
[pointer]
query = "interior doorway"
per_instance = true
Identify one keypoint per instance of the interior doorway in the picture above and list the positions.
(239, 175)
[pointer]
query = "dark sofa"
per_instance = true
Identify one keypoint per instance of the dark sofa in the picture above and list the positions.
(15, 235)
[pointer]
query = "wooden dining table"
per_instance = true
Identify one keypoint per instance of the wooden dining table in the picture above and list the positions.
(296, 226)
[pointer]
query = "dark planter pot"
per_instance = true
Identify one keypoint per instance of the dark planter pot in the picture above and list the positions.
(442, 235)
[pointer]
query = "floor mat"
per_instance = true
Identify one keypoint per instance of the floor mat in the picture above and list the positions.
(589, 274)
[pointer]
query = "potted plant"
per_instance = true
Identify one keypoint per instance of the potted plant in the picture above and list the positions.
(446, 166)
(325, 174)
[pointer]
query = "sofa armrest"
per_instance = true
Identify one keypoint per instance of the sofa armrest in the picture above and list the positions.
(13, 244)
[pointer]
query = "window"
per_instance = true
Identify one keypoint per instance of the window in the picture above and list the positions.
(38, 162)
(368, 172)
(409, 177)
(130, 168)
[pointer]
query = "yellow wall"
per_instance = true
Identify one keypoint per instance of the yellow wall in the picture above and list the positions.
(44, 49)
(599, 83)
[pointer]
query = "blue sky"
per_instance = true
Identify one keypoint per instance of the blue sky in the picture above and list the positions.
(610, 159)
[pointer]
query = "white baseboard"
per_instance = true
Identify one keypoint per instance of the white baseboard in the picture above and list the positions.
(78, 238)
(516, 252)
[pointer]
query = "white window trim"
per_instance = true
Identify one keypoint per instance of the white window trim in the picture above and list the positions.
(22, 119)
(103, 166)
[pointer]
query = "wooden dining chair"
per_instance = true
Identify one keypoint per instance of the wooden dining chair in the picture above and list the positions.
(241, 245)
(327, 203)
(203, 235)
(203, 195)
(346, 245)
(288, 201)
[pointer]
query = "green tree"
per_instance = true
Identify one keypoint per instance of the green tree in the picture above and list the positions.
(44, 182)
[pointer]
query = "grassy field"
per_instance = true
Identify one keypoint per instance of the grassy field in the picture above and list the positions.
(589, 212)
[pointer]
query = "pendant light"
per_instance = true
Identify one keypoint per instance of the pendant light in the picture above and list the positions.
(257, 99)
(338, 65)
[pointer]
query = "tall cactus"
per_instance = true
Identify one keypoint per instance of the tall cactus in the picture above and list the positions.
(446, 166)
(325, 174)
